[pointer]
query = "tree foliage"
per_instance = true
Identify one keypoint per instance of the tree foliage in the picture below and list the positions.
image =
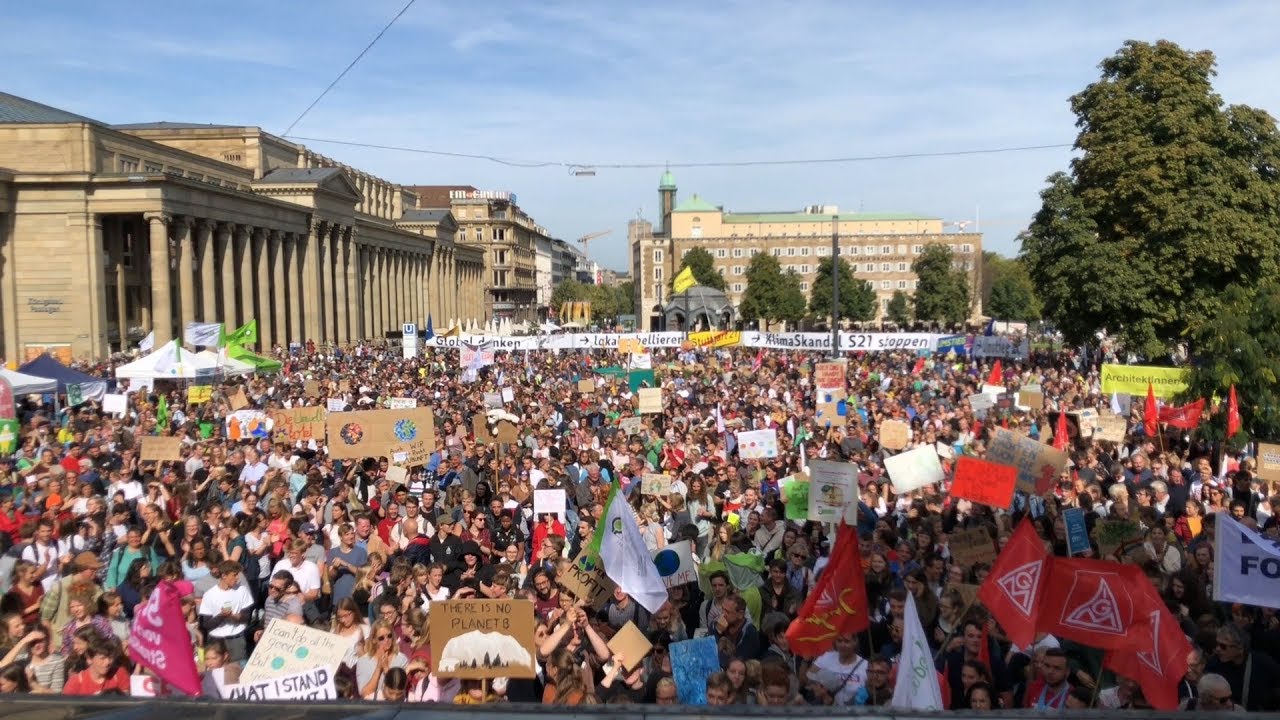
(704, 268)
(857, 297)
(771, 295)
(1174, 196)
(899, 310)
(607, 302)
(1012, 294)
(1240, 346)
(942, 291)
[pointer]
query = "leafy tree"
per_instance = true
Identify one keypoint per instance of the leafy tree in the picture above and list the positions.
(568, 291)
(1174, 196)
(771, 295)
(1013, 295)
(942, 291)
(857, 298)
(704, 268)
(1240, 346)
(899, 310)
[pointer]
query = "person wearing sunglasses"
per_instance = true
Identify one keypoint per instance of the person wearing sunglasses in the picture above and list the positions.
(379, 654)
(1213, 694)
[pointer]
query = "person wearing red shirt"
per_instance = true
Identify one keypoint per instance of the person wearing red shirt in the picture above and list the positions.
(1049, 690)
(71, 461)
(103, 675)
(10, 522)
(388, 522)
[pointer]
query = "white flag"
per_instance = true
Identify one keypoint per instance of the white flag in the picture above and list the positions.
(1245, 566)
(148, 342)
(168, 359)
(202, 334)
(626, 558)
(1115, 404)
(917, 687)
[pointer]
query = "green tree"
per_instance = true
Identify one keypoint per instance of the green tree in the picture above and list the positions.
(857, 298)
(1013, 295)
(942, 291)
(899, 310)
(1240, 346)
(1174, 196)
(704, 268)
(604, 304)
(771, 295)
(568, 291)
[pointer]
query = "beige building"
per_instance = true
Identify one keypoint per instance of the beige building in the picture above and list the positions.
(492, 221)
(110, 232)
(879, 247)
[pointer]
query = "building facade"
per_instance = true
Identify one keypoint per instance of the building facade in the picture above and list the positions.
(879, 247)
(564, 261)
(108, 233)
(493, 221)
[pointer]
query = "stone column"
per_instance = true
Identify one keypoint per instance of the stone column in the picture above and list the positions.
(262, 256)
(342, 336)
(385, 283)
(278, 302)
(161, 286)
(244, 245)
(350, 263)
(186, 271)
(227, 259)
(122, 280)
(366, 312)
(208, 281)
(417, 288)
(324, 286)
(311, 282)
(293, 282)
(375, 287)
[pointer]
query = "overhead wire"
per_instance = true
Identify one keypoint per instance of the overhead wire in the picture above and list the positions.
(350, 65)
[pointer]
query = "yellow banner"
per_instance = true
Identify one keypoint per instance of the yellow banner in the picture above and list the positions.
(1133, 380)
(715, 338)
(197, 394)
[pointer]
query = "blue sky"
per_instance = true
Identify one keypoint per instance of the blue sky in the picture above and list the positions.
(640, 82)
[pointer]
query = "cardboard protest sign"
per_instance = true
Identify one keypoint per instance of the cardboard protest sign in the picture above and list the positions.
(691, 662)
(239, 400)
(313, 684)
(970, 547)
(197, 394)
(586, 386)
(397, 475)
(630, 425)
(288, 649)
(506, 432)
(402, 403)
(675, 563)
(381, 433)
(650, 401)
(1268, 461)
(1033, 399)
(829, 376)
(587, 582)
(311, 388)
(755, 444)
(480, 428)
(631, 644)
(981, 403)
(1038, 464)
(160, 449)
(299, 424)
(1111, 428)
(482, 639)
(550, 502)
(833, 491)
(832, 408)
(655, 484)
(894, 434)
(493, 401)
(984, 482)
(914, 469)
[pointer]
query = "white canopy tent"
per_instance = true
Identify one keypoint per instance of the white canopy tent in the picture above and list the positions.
(28, 384)
(227, 365)
(171, 362)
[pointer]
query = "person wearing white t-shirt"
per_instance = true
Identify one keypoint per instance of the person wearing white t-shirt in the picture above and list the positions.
(839, 672)
(305, 572)
(225, 609)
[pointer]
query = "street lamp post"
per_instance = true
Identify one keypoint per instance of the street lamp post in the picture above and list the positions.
(835, 286)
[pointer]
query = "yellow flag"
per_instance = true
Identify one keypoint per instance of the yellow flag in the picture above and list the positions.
(683, 281)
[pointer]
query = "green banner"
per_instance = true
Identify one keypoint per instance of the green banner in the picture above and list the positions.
(9, 431)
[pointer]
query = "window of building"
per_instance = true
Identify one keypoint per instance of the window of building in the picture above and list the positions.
(869, 267)
(695, 232)
(500, 234)
(966, 248)
(884, 267)
(822, 251)
(777, 252)
(657, 256)
(870, 250)
(753, 252)
(479, 234)
(804, 252)
(722, 253)
(737, 252)
(902, 284)
(884, 304)
(902, 267)
(737, 269)
(886, 249)
(737, 287)
(853, 250)
(657, 274)
(804, 287)
(804, 269)
(917, 249)
(885, 284)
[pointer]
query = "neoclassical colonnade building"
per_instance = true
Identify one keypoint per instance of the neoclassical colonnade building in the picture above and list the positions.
(110, 232)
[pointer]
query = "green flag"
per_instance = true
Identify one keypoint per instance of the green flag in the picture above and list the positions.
(162, 414)
(9, 435)
(593, 549)
(246, 334)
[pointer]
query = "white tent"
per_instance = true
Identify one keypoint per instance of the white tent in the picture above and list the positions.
(169, 361)
(28, 384)
(227, 365)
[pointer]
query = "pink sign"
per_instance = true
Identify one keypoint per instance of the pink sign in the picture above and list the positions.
(8, 411)
(159, 640)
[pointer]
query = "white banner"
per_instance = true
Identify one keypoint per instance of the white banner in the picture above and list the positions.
(314, 684)
(849, 341)
(1246, 568)
(996, 346)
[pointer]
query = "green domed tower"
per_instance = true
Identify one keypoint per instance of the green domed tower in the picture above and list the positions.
(667, 199)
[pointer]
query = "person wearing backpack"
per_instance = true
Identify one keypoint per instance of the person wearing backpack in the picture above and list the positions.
(124, 555)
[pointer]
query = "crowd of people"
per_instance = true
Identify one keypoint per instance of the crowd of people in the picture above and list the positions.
(267, 530)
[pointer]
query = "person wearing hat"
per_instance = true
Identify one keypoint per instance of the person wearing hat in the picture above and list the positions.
(54, 608)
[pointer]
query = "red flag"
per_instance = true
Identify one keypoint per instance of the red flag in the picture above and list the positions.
(1013, 588)
(1186, 417)
(1159, 660)
(1233, 414)
(919, 368)
(1150, 414)
(984, 652)
(1092, 602)
(997, 374)
(838, 604)
(759, 360)
(1060, 433)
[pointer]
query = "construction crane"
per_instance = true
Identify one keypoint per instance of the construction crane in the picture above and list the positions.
(585, 239)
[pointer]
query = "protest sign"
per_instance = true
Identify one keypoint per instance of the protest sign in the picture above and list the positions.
(482, 639)
(1111, 428)
(675, 563)
(630, 425)
(894, 434)
(335, 404)
(795, 491)
(650, 401)
(755, 444)
(506, 432)
(197, 394)
(914, 469)
(981, 403)
(833, 491)
(245, 424)
(1031, 399)
(313, 684)
(1087, 421)
(1038, 464)
(1134, 379)
(287, 649)
(149, 686)
(969, 547)
(586, 580)
(344, 385)
(832, 408)
(550, 502)
(113, 404)
(631, 644)
(508, 395)
(655, 484)
(480, 428)
(691, 662)
(586, 386)
(402, 403)
(160, 449)
(381, 433)
(493, 401)
(155, 646)
(1246, 565)
(299, 424)
(984, 482)
(239, 400)
(1077, 530)
(1119, 539)
(311, 388)
(1268, 461)
(829, 376)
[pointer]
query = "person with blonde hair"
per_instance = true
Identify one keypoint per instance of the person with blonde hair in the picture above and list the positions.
(378, 655)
